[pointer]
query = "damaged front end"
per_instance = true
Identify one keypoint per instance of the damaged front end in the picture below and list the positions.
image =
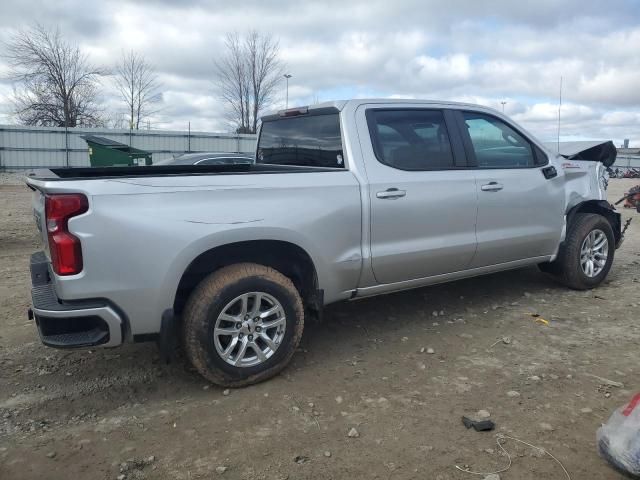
(585, 166)
(603, 152)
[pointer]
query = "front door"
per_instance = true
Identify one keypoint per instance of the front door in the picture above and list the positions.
(520, 194)
(423, 200)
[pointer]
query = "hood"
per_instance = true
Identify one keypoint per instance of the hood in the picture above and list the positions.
(590, 151)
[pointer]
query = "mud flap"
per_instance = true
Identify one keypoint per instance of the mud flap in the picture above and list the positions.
(314, 305)
(168, 338)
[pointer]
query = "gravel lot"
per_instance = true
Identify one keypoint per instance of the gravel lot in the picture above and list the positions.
(122, 414)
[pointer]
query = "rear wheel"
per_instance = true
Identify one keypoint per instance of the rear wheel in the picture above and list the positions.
(587, 254)
(242, 324)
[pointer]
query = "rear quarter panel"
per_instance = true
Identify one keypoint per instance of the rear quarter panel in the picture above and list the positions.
(139, 235)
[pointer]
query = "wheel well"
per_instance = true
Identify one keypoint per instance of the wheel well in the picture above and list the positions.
(289, 259)
(599, 207)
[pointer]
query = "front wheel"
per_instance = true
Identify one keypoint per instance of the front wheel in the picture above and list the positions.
(587, 254)
(242, 324)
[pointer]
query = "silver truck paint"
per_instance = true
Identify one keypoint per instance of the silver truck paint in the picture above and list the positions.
(140, 234)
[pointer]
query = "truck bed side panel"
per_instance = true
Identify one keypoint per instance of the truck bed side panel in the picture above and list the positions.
(140, 234)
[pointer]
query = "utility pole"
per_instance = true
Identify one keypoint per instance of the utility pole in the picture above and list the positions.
(66, 142)
(559, 109)
(503, 104)
(287, 77)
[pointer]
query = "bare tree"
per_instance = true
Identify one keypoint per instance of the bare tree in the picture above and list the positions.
(138, 85)
(57, 84)
(116, 120)
(247, 77)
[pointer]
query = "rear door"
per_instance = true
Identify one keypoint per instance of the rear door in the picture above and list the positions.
(422, 197)
(520, 195)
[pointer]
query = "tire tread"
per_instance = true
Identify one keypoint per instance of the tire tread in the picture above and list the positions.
(569, 271)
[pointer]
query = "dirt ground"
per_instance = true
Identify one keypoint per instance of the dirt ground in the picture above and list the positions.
(109, 414)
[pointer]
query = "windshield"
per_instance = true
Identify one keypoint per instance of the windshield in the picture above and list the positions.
(312, 140)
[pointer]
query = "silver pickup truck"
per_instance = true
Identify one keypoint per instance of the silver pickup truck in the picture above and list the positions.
(345, 200)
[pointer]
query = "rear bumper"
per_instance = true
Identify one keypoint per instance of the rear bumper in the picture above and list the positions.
(66, 324)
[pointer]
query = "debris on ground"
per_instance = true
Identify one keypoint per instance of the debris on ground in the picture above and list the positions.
(631, 198)
(136, 464)
(505, 340)
(124, 403)
(539, 319)
(353, 433)
(482, 415)
(501, 439)
(619, 438)
(606, 381)
(478, 425)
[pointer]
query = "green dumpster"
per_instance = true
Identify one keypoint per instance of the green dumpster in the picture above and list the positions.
(104, 152)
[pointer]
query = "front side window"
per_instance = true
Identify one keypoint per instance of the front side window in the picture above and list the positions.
(411, 139)
(312, 140)
(496, 144)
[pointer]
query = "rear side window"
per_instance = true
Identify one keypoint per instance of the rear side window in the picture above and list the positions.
(410, 139)
(497, 145)
(312, 140)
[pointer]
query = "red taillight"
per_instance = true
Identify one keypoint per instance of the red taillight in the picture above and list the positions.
(66, 252)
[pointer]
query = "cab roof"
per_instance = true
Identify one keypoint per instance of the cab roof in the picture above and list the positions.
(340, 105)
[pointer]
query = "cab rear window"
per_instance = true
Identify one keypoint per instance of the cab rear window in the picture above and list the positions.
(310, 140)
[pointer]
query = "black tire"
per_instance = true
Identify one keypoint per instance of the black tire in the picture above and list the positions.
(207, 302)
(567, 268)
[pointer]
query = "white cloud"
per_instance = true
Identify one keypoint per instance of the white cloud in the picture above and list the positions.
(484, 52)
(618, 118)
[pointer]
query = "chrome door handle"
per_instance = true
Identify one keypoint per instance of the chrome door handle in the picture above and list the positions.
(391, 194)
(492, 187)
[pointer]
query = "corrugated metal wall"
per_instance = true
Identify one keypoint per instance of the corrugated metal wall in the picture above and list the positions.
(627, 162)
(43, 147)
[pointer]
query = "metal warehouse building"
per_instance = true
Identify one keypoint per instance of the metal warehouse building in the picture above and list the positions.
(44, 147)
